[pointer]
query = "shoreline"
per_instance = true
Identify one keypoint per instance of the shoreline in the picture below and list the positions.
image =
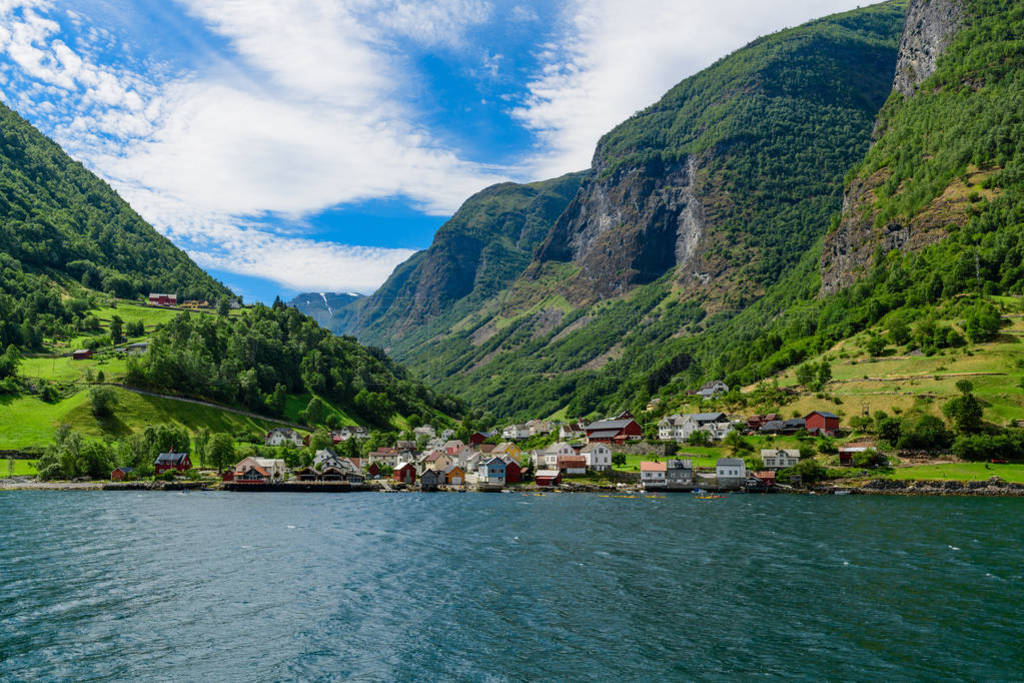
(992, 488)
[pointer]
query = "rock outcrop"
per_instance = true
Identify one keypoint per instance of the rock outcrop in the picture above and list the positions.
(848, 251)
(931, 25)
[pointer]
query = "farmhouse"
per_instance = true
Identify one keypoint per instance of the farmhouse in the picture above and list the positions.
(712, 389)
(172, 461)
(779, 458)
(283, 436)
(614, 431)
(680, 427)
(81, 354)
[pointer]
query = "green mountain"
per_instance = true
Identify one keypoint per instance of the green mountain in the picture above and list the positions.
(693, 209)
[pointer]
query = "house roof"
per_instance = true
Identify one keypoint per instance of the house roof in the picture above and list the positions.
(126, 470)
(652, 466)
(172, 458)
(729, 462)
(570, 460)
(823, 413)
(547, 473)
(452, 468)
(605, 434)
(495, 459)
(617, 425)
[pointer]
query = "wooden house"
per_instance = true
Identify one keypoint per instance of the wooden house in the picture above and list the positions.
(81, 354)
(405, 472)
(430, 480)
(548, 478)
(172, 461)
(455, 476)
(614, 431)
(513, 472)
(121, 473)
(653, 474)
(822, 422)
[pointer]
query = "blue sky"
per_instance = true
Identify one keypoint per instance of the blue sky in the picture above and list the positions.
(312, 145)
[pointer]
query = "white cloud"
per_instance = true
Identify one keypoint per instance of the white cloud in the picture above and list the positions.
(302, 115)
(618, 57)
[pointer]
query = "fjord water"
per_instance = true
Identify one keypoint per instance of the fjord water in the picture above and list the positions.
(222, 586)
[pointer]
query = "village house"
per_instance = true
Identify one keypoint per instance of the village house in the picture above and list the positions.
(576, 429)
(172, 461)
(678, 473)
(163, 299)
(548, 458)
(274, 469)
(755, 422)
(790, 426)
(120, 473)
(548, 478)
(424, 431)
(515, 432)
(730, 472)
(430, 480)
(572, 464)
(350, 432)
(405, 472)
(652, 475)
(486, 448)
(373, 469)
(437, 460)
(618, 430)
(477, 438)
(766, 477)
(538, 427)
(405, 446)
(508, 449)
(453, 447)
(251, 474)
(283, 436)
(712, 389)
(455, 476)
(822, 422)
(598, 457)
(513, 471)
(779, 458)
(492, 472)
(81, 354)
(679, 427)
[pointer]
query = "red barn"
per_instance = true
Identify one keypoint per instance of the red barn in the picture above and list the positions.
(614, 431)
(163, 299)
(513, 472)
(405, 472)
(548, 478)
(81, 354)
(172, 461)
(821, 422)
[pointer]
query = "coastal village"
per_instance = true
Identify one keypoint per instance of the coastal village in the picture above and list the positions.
(609, 453)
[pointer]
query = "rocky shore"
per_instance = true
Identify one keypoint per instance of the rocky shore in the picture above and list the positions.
(896, 487)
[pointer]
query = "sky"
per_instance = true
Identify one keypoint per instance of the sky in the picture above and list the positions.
(313, 145)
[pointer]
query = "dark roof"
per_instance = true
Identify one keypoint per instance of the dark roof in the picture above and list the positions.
(126, 470)
(605, 434)
(707, 417)
(772, 426)
(609, 424)
(172, 458)
(729, 462)
(823, 413)
(798, 422)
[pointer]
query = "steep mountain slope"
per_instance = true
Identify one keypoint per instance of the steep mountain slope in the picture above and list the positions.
(56, 216)
(329, 309)
(693, 207)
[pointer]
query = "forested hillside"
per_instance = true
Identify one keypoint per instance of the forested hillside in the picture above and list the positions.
(693, 209)
(61, 225)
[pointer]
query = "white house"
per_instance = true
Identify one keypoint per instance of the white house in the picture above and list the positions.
(283, 436)
(680, 427)
(652, 475)
(712, 389)
(548, 458)
(275, 468)
(539, 427)
(515, 432)
(447, 434)
(730, 471)
(779, 458)
(599, 456)
(425, 431)
(572, 430)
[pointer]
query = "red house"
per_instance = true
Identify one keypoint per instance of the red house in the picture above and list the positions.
(614, 431)
(513, 472)
(821, 422)
(405, 472)
(229, 475)
(477, 438)
(373, 469)
(766, 477)
(120, 473)
(172, 461)
(548, 478)
(163, 299)
(81, 354)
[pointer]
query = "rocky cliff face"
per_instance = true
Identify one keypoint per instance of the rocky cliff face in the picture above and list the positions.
(848, 251)
(931, 25)
(628, 228)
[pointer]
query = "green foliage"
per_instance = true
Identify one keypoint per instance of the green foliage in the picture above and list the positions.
(965, 411)
(221, 451)
(810, 471)
(1006, 445)
(926, 433)
(103, 401)
(618, 459)
(254, 359)
(983, 322)
(71, 457)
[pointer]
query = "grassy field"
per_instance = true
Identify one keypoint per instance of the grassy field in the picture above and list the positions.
(27, 422)
(962, 471)
(64, 369)
(17, 468)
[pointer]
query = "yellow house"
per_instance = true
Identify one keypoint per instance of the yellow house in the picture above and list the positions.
(508, 449)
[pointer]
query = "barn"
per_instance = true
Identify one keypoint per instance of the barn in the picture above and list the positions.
(172, 461)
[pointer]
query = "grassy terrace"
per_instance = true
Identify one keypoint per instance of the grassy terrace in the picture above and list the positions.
(18, 468)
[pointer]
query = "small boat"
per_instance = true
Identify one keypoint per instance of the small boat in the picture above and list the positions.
(710, 496)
